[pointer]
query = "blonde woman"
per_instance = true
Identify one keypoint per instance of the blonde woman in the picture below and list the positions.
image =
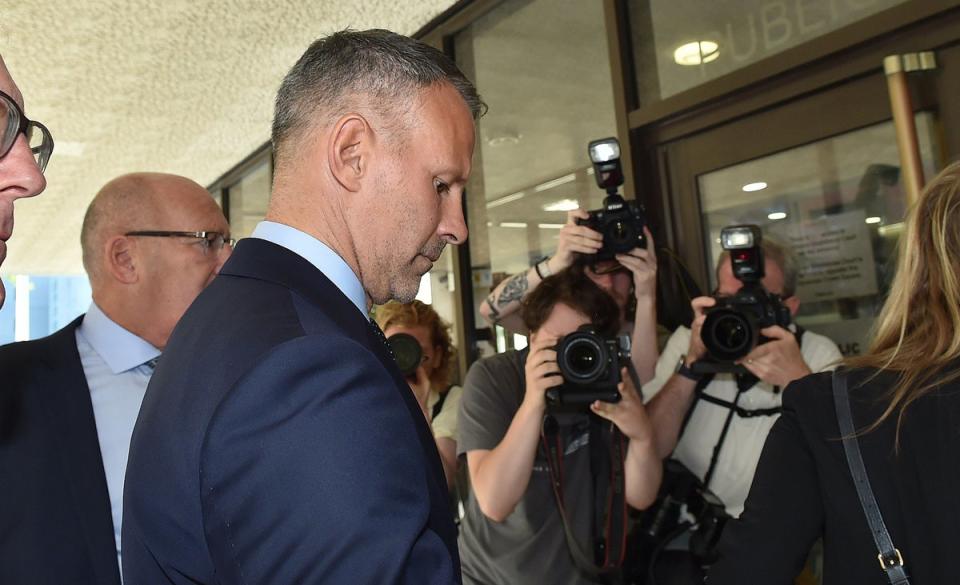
(431, 383)
(905, 402)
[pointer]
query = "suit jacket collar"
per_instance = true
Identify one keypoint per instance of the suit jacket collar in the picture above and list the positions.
(264, 260)
(63, 385)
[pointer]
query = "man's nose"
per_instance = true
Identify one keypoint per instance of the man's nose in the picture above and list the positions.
(453, 226)
(19, 174)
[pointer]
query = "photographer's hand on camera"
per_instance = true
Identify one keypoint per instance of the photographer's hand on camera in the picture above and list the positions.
(778, 361)
(574, 239)
(642, 465)
(696, 349)
(541, 370)
(642, 264)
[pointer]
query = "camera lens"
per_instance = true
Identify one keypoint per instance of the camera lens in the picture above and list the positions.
(406, 352)
(728, 335)
(581, 360)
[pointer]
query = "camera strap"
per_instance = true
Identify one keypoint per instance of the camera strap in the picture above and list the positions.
(610, 524)
(744, 383)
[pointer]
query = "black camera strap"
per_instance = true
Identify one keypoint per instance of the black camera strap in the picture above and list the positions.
(610, 524)
(744, 383)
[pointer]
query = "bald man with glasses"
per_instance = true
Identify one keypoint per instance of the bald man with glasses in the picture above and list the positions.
(151, 242)
(25, 148)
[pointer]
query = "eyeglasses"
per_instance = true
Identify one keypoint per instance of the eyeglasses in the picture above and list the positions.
(209, 240)
(14, 123)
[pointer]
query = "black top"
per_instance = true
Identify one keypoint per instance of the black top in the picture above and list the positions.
(803, 489)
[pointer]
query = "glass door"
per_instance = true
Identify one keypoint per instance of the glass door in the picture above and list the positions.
(820, 174)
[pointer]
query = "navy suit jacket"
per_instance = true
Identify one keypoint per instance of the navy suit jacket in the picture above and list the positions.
(278, 443)
(55, 522)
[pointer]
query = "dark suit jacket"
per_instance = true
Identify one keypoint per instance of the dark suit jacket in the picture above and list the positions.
(55, 522)
(278, 443)
(803, 489)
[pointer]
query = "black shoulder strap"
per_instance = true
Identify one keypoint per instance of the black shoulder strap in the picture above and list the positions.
(890, 558)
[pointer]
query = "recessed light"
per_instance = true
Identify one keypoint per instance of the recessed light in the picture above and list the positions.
(562, 205)
(504, 139)
(505, 199)
(513, 224)
(776, 215)
(873, 219)
(550, 226)
(556, 182)
(696, 53)
(758, 186)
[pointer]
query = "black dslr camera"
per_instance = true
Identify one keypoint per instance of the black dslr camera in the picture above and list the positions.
(621, 222)
(732, 327)
(406, 352)
(590, 366)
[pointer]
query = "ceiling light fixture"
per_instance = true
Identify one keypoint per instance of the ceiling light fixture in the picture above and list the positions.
(550, 226)
(562, 205)
(777, 215)
(513, 224)
(505, 199)
(751, 187)
(504, 139)
(696, 52)
(873, 219)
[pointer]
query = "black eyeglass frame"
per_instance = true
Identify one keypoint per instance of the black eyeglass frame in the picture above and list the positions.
(203, 236)
(25, 126)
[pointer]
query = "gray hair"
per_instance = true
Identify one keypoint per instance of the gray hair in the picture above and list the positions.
(381, 66)
(780, 254)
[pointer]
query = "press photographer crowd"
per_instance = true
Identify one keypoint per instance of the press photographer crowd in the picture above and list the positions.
(222, 416)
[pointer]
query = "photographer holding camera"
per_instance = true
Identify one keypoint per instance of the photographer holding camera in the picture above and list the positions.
(421, 344)
(713, 412)
(613, 247)
(514, 530)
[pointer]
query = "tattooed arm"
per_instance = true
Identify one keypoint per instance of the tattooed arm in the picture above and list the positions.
(502, 307)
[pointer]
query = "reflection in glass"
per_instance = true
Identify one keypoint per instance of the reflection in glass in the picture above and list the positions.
(839, 205)
(247, 199)
(679, 45)
(550, 93)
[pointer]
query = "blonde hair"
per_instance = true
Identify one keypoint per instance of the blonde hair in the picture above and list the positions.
(917, 333)
(419, 314)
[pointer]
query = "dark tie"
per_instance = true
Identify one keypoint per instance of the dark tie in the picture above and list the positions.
(383, 338)
(152, 364)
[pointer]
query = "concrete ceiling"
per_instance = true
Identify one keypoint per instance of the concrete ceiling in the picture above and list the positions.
(181, 86)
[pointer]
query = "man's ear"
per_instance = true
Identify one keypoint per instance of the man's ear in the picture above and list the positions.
(350, 151)
(120, 255)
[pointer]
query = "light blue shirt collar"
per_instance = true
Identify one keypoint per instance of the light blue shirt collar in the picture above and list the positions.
(119, 348)
(320, 255)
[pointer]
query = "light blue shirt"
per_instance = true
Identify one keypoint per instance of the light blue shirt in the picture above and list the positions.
(113, 362)
(320, 255)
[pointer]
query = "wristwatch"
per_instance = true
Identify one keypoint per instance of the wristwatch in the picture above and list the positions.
(686, 372)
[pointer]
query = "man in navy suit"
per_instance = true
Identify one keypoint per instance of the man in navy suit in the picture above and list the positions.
(278, 442)
(68, 402)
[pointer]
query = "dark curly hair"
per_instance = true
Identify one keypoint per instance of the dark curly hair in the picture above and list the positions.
(573, 288)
